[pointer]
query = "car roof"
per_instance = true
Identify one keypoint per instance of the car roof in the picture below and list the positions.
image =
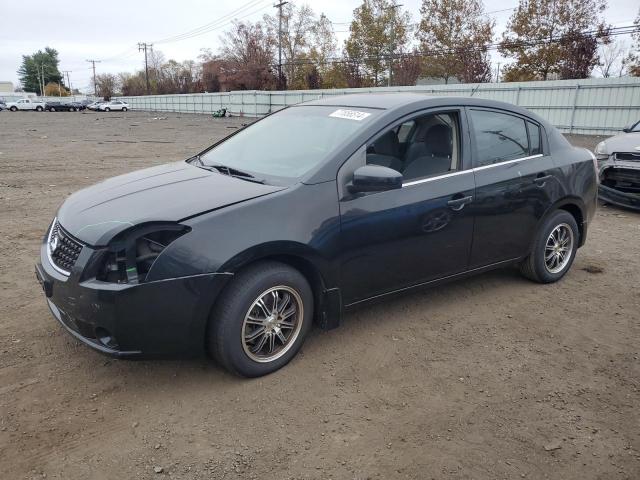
(397, 101)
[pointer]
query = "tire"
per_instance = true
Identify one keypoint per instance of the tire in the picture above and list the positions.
(107, 109)
(237, 316)
(545, 263)
(14, 109)
(124, 109)
(72, 109)
(52, 109)
(38, 109)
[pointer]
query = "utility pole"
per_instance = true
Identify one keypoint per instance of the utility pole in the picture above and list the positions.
(41, 79)
(392, 46)
(279, 7)
(95, 86)
(67, 72)
(144, 46)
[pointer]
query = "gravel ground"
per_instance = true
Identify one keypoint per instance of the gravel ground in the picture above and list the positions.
(490, 377)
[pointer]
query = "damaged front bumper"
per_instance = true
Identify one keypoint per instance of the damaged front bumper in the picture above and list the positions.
(160, 318)
(620, 181)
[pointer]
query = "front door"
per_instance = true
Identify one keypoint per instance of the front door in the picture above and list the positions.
(395, 239)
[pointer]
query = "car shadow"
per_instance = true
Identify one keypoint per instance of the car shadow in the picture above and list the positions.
(202, 372)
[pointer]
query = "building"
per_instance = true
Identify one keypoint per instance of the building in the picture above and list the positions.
(6, 87)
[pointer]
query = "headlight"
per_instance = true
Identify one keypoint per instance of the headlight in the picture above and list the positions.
(601, 151)
(130, 255)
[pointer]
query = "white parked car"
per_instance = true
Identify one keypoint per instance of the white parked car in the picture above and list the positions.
(25, 104)
(94, 105)
(113, 105)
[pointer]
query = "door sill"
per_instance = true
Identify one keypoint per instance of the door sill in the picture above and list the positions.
(473, 271)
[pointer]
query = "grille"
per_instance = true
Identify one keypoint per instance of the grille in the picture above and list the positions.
(63, 249)
(634, 157)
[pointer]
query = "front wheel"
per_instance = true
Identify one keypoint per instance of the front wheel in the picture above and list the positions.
(51, 109)
(261, 319)
(14, 109)
(107, 109)
(72, 109)
(554, 249)
(124, 109)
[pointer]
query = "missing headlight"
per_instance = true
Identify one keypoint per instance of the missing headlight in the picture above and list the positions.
(130, 257)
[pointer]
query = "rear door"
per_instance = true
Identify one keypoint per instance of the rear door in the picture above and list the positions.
(515, 179)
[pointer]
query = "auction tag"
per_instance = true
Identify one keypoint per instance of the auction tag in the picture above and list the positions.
(350, 114)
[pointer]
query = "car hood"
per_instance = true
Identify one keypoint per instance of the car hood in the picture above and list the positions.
(170, 192)
(627, 142)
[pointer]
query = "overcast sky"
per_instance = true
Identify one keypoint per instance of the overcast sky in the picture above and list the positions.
(79, 32)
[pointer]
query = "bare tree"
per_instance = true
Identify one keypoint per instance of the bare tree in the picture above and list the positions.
(612, 56)
(298, 23)
(407, 69)
(106, 84)
(632, 61)
(247, 51)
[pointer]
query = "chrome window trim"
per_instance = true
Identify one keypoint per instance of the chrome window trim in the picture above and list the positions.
(51, 262)
(491, 165)
(460, 172)
(431, 179)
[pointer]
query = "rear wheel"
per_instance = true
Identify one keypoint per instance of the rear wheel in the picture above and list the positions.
(38, 109)
(52, 109)
(261, 319)
(554, 249)
(72, 109)
(107, 109)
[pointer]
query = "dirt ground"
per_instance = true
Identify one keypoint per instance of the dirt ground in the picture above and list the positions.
(488, 378)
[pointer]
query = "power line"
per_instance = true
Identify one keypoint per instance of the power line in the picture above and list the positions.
(218, 23)
(616, 31)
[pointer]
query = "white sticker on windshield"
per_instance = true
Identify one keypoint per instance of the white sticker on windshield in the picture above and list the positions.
(350, 114)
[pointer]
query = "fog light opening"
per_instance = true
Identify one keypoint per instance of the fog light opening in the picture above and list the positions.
(105, 338)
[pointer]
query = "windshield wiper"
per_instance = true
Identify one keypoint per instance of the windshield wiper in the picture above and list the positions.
(230, 171)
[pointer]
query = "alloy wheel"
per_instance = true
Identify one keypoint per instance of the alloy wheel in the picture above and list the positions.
(558, 248)
(272, 324)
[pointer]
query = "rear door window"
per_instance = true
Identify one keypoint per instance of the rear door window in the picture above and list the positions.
(534, 138)
(499, 137)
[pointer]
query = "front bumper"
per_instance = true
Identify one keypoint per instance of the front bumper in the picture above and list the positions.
(619, 182)
(616, 197)
(161, 318)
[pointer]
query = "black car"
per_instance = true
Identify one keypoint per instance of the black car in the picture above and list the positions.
(61, 106)
(309, 212)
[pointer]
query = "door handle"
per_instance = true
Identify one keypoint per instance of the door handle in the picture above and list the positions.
(541, 179)
(457, 204)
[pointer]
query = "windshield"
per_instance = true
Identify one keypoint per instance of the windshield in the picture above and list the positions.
(289, 143)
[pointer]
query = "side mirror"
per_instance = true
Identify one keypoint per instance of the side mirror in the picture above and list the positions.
(375, 178)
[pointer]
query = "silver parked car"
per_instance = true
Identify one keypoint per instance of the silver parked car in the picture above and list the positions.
(619, 168)
(113, 105)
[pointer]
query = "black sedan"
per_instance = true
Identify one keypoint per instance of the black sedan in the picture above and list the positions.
(307, 213)
(62, 107)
